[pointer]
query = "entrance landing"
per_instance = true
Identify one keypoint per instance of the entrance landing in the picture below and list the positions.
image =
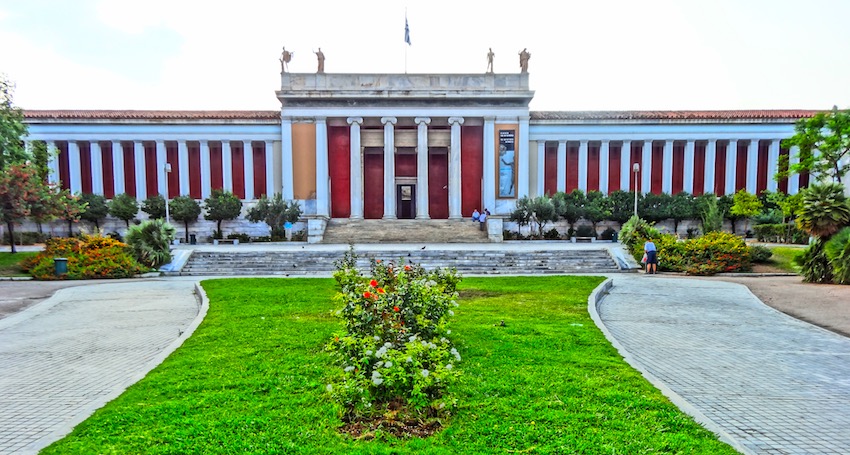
(345, 231)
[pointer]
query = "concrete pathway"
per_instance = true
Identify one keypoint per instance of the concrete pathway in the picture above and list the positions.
(67, 356)
(762, 380)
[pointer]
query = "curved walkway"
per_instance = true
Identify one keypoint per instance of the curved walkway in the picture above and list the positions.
(762, 380)
(70, 354)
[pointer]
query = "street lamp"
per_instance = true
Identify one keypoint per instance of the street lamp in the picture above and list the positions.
(167, 213)
(636, 169)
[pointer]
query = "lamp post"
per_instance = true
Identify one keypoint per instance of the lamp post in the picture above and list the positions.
(167, 213)
(636, 169)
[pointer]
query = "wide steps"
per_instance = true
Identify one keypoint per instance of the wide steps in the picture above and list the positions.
(465, 261)
(345, 231)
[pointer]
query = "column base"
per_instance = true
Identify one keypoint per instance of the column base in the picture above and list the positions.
(423, 217)
(455, 217)
(355, 217)
(390, 217)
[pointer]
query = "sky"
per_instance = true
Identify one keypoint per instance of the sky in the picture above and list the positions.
(585, 55)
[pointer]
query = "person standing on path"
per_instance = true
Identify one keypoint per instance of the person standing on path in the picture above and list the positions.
(651, 257)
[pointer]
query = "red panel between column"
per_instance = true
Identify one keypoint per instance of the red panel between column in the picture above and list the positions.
(339, 167)
(129, 169)
(108, 175)
(656, 183)
(572, 167)
(237, 170)
(373, 186)
(593, 166)
(85, 168)
(720, 168)
(614, 163)
(173, 177)
(151, 170)
(438, 182)
(678, 168)
(783, 184)
(761, 171)
(741, 166)
(550, 181)
(699, 168)
(405, 165)
(259, 151)
(471, 168)
(216, 177)
(194, 169)
(64, 165)
(636, 153)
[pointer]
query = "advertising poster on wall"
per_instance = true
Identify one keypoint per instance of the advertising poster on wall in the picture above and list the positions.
(507, 164)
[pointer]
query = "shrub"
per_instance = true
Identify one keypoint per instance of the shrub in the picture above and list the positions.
(395, 354)
(760, 254)
(814, 264)
(635, 233)
(89, 257)
(26, 238)
(585, 231)
(717, 252)
(242, 237)
(607, 234)
(837, 250)
(124, 207)
(552, 234)
(150, 242)
(154, 206)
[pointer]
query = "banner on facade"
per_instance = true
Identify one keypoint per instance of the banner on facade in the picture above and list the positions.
(507, 163)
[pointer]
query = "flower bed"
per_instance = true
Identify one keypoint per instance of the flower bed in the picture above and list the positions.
(89, 257)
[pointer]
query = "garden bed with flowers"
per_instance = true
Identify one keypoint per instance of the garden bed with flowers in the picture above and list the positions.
(535, 376)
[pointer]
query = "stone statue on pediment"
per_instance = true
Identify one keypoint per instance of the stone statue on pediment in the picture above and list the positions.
(320, 56)
(523, 60)
(285, 58)
(490, 56)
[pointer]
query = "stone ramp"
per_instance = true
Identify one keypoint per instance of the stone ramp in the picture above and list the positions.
(467, 261)
(345, 231)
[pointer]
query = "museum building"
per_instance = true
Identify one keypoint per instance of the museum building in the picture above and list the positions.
(413, 146)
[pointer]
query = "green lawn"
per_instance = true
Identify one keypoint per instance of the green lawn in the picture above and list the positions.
(9, 263)
(783, 257)
(250, 380)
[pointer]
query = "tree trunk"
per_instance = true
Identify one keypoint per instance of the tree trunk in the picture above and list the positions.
(11, 228)
(218, 225)
(96, 226)
(186, 224)
(70, 229)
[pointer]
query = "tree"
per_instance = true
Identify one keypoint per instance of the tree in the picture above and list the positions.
(710, 213)
(71, 209)
(824, 146)
(570, 206)
(654, 207)
(724, 205)
(222, 205)
(824, 210)
(535, 211)
(597, 208)
(745, 205)
(274, 212)
(154, 206)
(124, 207)
(96, 208)
(682, 207)
(12, 128)
(20, 188)
(185, 209)
(622, 206)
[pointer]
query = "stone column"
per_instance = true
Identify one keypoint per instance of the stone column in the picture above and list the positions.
(206, 184)
(489, 177)
(541, 168)
(667, 168)
(287, 176)
(646, 168)
(582, 166)
(323, 193)
(562, 166)
(752, 166)
(389, 167)
(227, 166)
(117, 168)
(268, 147)
(603, 167)
(793, 179)
(422, 208)
(248, 168)
(773, 165)
(75, 176)
(454, 169)
(731, 165)
(53, 161)
(710, 164)
(183, 167)
(161, 175)
(356, 168)
(625, 165)
(96, 168)
(522, 161)
(688, 178)
(141, 171)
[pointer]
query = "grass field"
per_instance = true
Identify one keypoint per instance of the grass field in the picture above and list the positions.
(9, 263)
(251, 380)
(783, 258)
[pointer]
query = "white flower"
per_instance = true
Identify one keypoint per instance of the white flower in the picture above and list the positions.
(381, 352)
(451, 313)
(443, 340)
(377, 338)
(425, 373)
(369, 352)
(448, 332)
(379, 364)
(409, 359)
(388, 345)
(456, 354)
(424, 343)
(329, 388)
(449, 366)
(376, 378)
(388, 364)
(349, 369)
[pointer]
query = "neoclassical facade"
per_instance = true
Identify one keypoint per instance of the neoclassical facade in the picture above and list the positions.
(417, 146)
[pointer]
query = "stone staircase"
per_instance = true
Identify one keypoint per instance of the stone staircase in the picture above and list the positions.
(345, 231)
(469, 261)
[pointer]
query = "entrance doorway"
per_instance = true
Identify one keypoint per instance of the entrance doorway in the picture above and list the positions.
(406, 201)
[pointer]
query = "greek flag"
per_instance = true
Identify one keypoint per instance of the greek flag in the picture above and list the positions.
(406, 32)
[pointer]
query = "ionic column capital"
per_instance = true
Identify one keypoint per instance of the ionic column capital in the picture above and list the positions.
(390, 120)
(421, 120)
(562, 142)
(455, 120)
(605, 141)
(352, 120)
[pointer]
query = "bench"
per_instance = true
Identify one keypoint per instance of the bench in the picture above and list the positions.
(584, 239)
(230, 241)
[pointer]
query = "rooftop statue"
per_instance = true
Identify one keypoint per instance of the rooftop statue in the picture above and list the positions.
(490, 56)
(321, 57)
(523, 60)
(285, 58)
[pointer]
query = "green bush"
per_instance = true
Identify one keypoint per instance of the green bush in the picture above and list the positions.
(242, 237)
(26, 238)
(395, 352)
(607, 234)
(552, 234)
(760, 254)
(150, 242)
(814, 264)
(89, 257)
(837, 250)
(585, 231)
(635, 233)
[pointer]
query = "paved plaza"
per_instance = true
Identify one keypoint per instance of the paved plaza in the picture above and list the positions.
(70, 354)
(770, 383)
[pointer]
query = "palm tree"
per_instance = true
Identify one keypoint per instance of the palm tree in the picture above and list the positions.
(824, 210)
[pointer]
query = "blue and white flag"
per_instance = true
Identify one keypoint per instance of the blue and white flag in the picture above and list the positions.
(406, 32)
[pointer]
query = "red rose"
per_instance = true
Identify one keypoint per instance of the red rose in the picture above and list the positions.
(395, 308)
(367, 295)
(407, 267)
(380, 290)
(373, 283)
